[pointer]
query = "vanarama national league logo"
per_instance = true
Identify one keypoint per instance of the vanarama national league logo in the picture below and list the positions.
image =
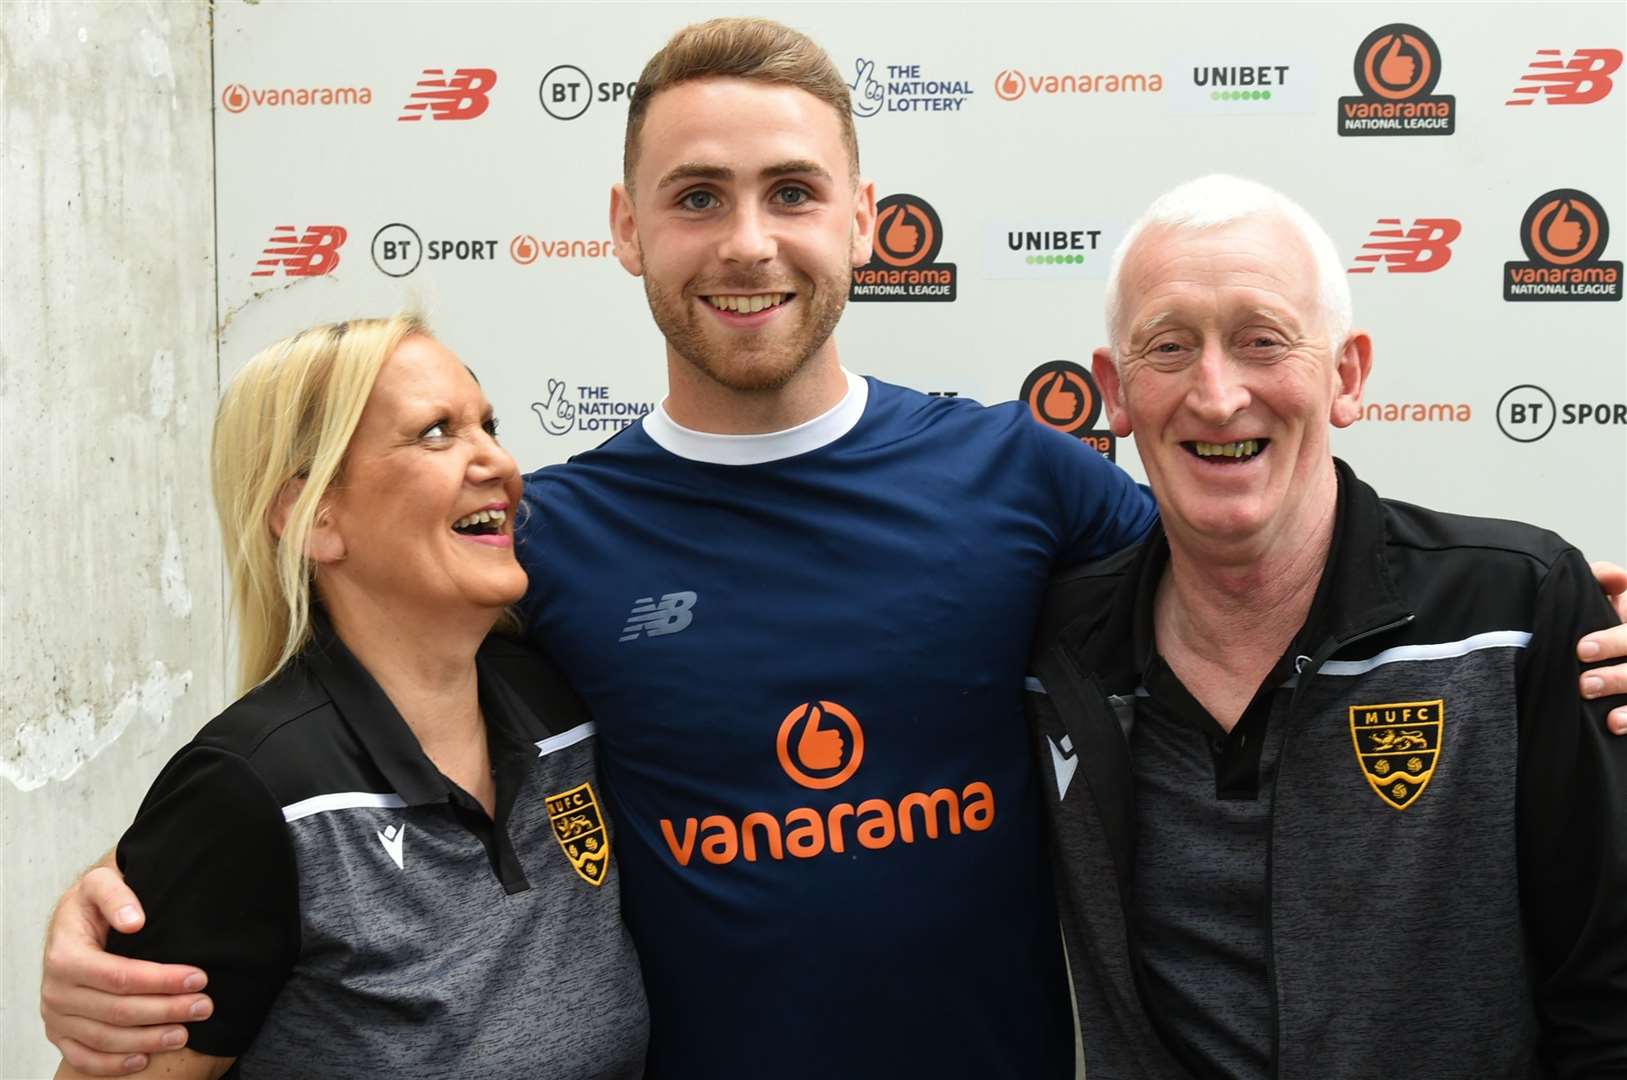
(903, 256)
(1564, 233)
(1397, 67)
(1062, 395)
(820, 746)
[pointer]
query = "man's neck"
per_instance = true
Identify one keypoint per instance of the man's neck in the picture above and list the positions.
(1225, 614)
(699, 402)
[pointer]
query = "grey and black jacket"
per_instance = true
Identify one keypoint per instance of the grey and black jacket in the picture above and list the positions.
(1446, 887)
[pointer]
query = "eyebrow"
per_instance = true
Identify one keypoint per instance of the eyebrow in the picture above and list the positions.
(694, 170)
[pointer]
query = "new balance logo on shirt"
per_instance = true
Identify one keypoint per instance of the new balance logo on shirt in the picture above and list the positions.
(648, 618)
(391, 838)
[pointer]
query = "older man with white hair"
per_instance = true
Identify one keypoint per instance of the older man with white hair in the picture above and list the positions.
(1326, 803)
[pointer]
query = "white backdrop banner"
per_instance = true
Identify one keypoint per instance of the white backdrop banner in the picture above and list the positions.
(1467, 160)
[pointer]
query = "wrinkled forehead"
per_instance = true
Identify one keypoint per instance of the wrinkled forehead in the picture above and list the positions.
(1218, 273)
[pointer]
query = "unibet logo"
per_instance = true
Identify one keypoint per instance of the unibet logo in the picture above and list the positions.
(1581, 80)
(308, 253)
(462, 95)
(1422, 248)
(820, 745)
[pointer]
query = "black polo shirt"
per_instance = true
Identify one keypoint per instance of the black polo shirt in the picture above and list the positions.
(359, 914)
(1203, 828)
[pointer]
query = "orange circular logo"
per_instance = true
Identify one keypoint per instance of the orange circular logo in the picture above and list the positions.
(1009, 85)
(1062, 395)
(1398, 66)
(524, 249)
(1563, 232)
(235, 97)
(821, 755)
(906, 234)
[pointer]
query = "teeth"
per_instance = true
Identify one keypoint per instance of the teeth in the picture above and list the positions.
(747, 305)
(480, 517)
(1241, 449)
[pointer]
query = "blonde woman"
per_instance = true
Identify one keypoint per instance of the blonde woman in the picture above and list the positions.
(389, 854)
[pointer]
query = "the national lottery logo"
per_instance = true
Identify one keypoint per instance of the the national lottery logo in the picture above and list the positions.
(308, 251)
(904, 255)
(462, 94)
(1396, 69)
(1422, 247)
(1581, 79)
(904, 88)
(566, 91)
(586, 408)
(1564, 234)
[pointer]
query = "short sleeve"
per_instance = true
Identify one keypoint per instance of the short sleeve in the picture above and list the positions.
(1103, 510)
(210, 859)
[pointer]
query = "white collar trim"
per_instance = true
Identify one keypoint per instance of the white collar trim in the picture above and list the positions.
(822, 430)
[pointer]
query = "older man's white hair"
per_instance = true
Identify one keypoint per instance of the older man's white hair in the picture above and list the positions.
(1218, 199)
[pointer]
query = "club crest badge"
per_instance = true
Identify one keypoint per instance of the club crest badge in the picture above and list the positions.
(579, 827)
(1398, 746)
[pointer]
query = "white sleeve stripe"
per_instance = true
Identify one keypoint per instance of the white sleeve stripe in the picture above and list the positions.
(1442, 650)
(341, 800)
(1034, 686)
(564, 738)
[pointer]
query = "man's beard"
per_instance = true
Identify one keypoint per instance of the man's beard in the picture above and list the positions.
(747, 366)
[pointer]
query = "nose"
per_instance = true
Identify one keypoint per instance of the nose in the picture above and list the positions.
(1216, 393)
(747, 239)
(490, 462)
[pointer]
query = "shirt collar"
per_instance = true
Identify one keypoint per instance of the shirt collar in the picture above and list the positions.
(705, 446)
(370, 714)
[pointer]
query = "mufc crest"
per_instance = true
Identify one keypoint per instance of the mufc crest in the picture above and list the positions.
(579, 827)
(1398, 746)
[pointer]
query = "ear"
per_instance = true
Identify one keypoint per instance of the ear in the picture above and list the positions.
(1351, 368)
(324, 544)
(1112, 388)
(864, 222)
(624, 231)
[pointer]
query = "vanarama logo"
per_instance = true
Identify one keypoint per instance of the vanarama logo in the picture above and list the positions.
(1012, 84)
(237, 98)
(820, 745)
(903, 257)
(1397, 67)
(1563, 233)
(1062, 395)
(1414, 412)
(1581, 80)
(1421, 248)
(526, 249)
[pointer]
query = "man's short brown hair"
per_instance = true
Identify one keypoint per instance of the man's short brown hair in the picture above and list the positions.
(739, 48)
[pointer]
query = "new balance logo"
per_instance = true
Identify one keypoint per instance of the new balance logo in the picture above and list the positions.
(463, 95)
(1581, 80)
(391, 838)
(1425, 247)
(672, 614)
(1064, 761)
(302, 254)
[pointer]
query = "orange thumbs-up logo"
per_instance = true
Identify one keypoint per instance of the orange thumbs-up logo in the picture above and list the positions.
(820, 744)
(906, 231)
(1062, 395)
(524, 249)
(1010, 85)
(235, 98)
(1564, 233)
(1397, 62)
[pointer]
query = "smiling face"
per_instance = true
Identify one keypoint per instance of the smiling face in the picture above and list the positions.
(745, 222)
(423, 511)
(1228, 380)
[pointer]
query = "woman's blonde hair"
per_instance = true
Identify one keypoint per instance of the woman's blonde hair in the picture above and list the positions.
(288, 417)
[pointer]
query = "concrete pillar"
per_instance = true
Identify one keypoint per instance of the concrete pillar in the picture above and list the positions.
(111, 603)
